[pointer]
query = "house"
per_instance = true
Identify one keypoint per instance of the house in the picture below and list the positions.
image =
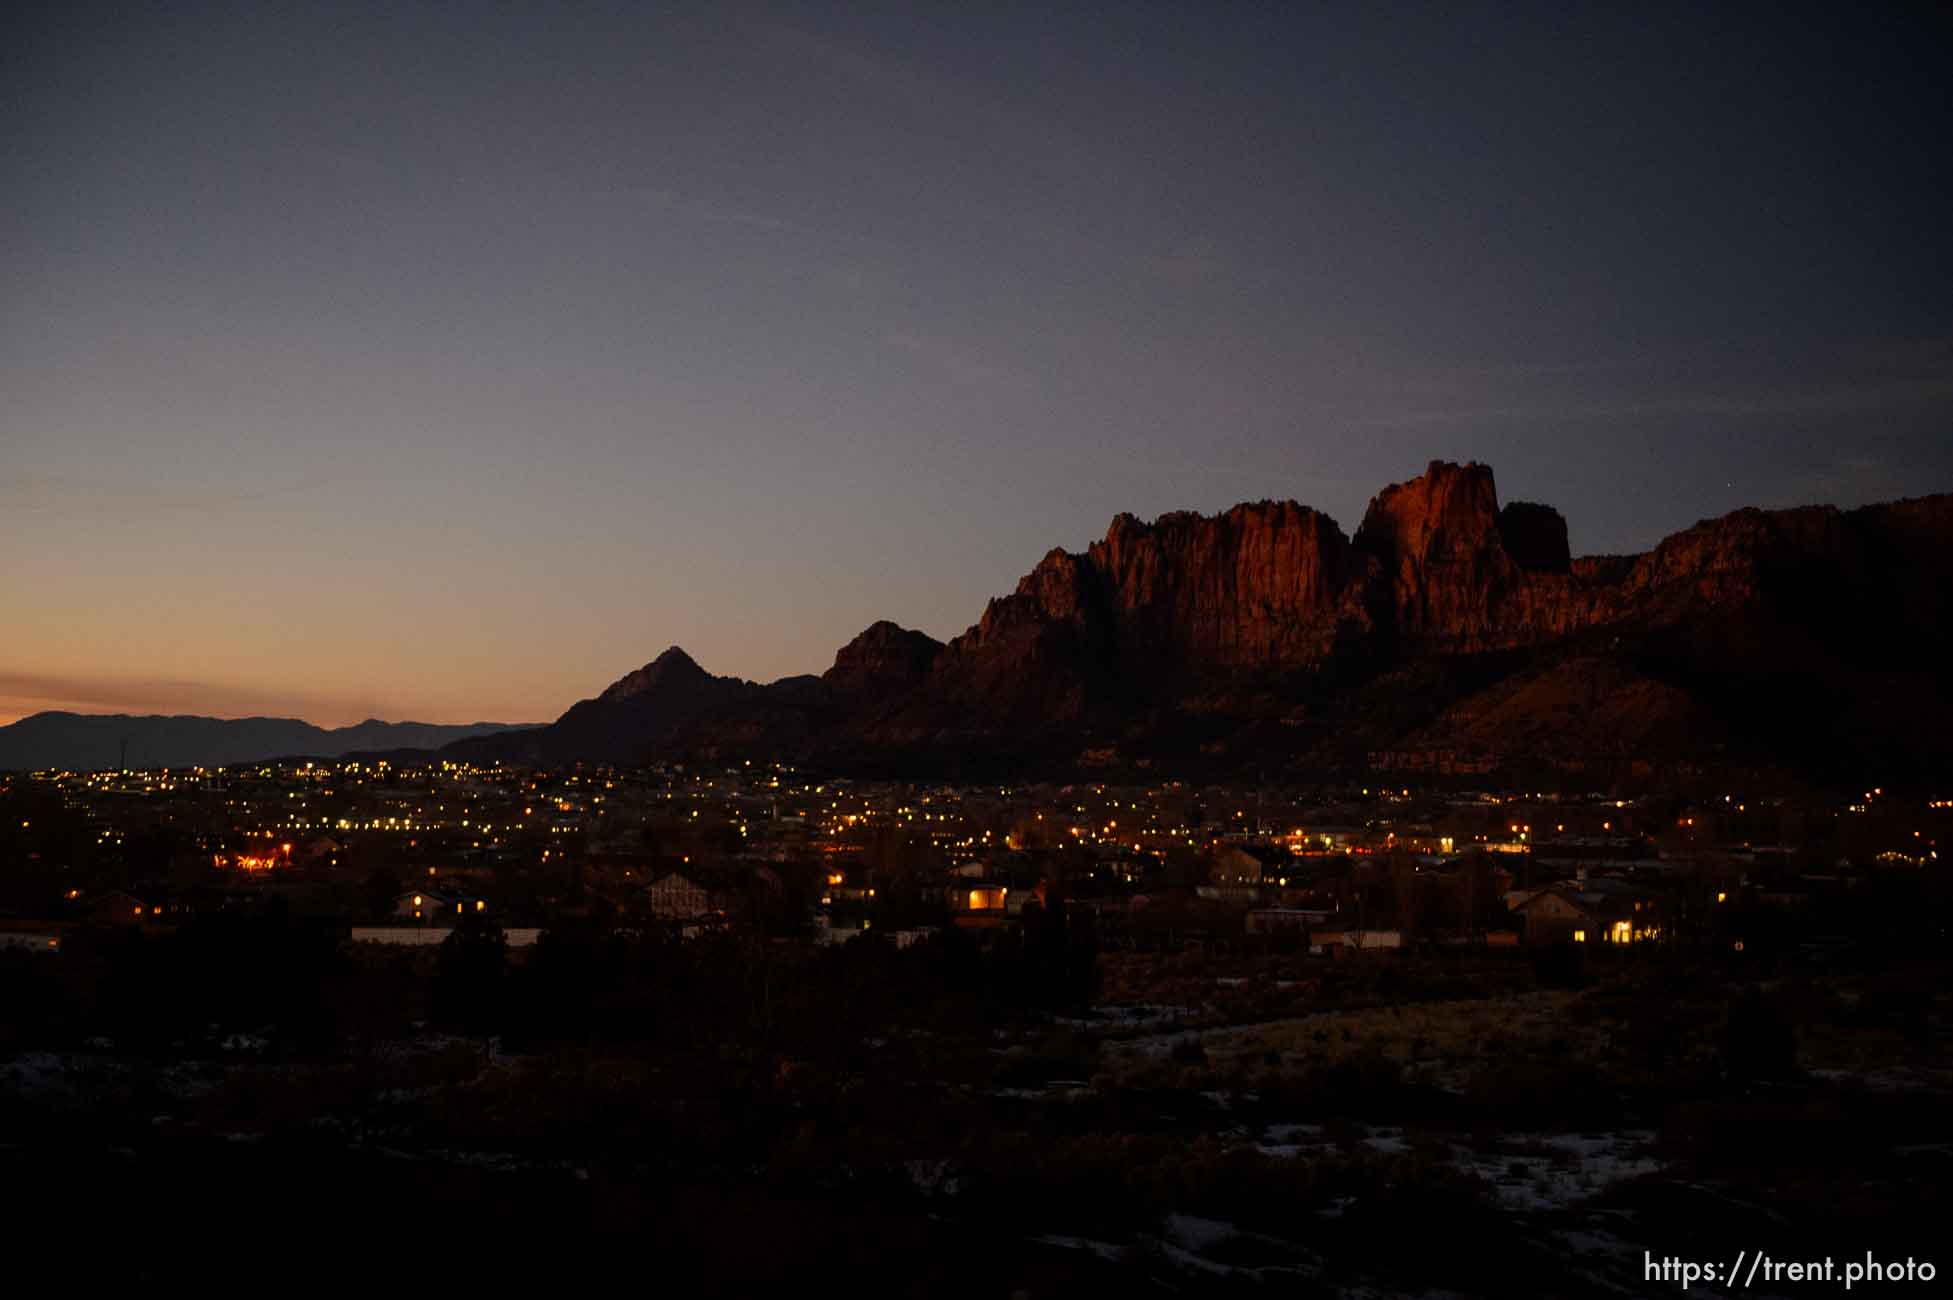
(423, 905)
(675, 895)
(911, 936)
(1236, 865)
(984, 904)
(1601, 909)
(1284, 920)
(42, 941)
(120, 907)
(979, 896)
(839, 888)
(432, 936)
(1335, 943)
(1330, 839)
(829, 931)
(1230, 895)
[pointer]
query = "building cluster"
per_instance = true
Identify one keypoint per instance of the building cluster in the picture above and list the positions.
(403, 853)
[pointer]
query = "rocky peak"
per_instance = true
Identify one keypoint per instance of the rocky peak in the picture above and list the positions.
(672, 668)
(1447, 579)
(1535, 537)
(885, 655)
(1059, 583)
(1448, 512)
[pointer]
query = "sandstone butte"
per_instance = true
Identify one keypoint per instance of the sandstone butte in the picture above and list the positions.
(1436, 567)
(1248, 611)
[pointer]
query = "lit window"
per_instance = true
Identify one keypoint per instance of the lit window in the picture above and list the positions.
(1580, 936)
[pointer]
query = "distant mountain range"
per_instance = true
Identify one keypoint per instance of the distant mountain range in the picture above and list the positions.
(85, 741)
(1449, 636)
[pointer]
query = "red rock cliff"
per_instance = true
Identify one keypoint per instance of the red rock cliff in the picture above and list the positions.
(1270, 584)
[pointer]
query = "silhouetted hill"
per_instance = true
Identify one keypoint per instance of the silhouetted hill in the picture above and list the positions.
(636, 716)
(89, 741)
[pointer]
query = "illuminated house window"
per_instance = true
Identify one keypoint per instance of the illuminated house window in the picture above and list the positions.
(1580, 936)
(1622, 931)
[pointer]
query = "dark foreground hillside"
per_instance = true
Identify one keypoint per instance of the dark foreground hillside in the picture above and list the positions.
(724, 1117)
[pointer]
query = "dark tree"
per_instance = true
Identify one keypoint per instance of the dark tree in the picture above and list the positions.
(382, 887)
(470, 975)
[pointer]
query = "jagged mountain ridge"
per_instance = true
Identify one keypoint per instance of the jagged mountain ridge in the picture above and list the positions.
(1265, 634)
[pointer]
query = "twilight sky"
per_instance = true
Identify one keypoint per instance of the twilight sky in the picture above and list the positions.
(448, 361)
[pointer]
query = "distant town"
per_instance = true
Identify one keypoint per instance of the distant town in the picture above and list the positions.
(396, 853)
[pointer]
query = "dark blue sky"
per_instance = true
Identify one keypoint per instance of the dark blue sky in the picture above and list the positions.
(450, 360)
